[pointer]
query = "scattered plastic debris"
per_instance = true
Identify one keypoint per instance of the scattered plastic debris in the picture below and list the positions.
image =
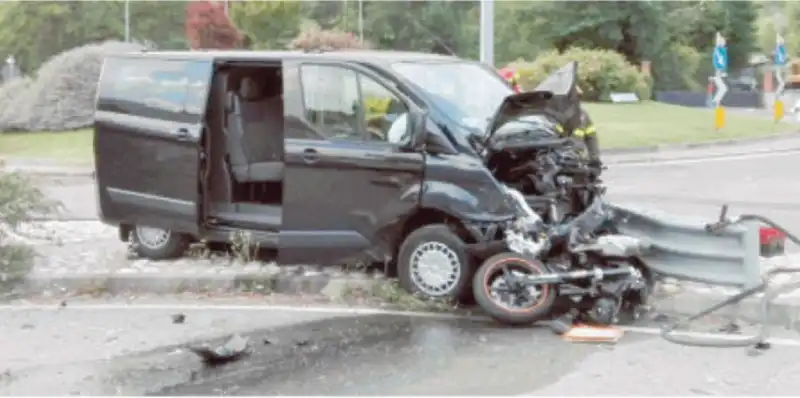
(178, 318)
(593, 334)
(234, 349)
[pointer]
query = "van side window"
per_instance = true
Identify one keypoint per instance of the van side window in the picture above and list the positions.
(384, 113)
(295, 123)
(160, 89)
(331, 100)
(198, 74)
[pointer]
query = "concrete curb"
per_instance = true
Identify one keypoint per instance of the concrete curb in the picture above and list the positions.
(260, 282)
(675, 301)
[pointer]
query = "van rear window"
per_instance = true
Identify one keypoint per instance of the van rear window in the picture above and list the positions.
(163, 89)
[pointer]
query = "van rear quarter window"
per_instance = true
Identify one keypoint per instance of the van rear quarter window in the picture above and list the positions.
(154, 88)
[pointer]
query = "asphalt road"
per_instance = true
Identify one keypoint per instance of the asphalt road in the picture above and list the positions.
(121, 351)
(402, 355)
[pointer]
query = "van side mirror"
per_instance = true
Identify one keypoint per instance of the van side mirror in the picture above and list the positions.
(417, 123)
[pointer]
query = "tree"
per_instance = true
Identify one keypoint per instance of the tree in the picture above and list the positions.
(207, 26)
(696, 23)
(421, 26)
(154, 23)
(632, 28)
(740, 32)
(520, 35)
(268, 24)
(35, 31)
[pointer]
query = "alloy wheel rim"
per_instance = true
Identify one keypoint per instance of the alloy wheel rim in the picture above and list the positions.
(435, 269)
(151, 237)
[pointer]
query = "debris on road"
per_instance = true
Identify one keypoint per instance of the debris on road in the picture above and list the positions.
(178, 318)
(234, 349)
(593, 334)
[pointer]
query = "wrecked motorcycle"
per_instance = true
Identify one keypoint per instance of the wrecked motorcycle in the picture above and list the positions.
(582, 261)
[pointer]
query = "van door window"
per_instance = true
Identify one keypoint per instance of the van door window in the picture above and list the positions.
(344, 104)
(385, 115)
(159, 89)
(331, 100)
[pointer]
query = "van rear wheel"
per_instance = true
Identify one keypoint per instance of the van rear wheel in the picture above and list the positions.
(158, 243)
(433, 263)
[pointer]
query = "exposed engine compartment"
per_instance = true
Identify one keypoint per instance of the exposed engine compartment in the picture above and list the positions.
(556, 180)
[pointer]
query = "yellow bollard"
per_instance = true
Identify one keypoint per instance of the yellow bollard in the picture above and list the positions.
(719, 117)
(779, 112)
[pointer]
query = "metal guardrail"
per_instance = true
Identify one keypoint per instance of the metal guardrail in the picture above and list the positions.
(683, 249)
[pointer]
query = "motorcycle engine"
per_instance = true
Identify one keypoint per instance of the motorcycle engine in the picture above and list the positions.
(604, 311)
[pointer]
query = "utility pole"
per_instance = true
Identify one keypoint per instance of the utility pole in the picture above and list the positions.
(361, 20)
(487, 32)
(127, 21)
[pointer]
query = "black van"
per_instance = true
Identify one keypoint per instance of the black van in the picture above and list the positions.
(325, 157)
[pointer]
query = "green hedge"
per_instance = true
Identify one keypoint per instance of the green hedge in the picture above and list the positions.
(600, 72)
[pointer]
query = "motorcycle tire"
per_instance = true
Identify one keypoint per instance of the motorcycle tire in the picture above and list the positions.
(504, 313)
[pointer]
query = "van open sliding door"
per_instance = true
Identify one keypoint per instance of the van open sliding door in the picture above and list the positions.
(148, 141)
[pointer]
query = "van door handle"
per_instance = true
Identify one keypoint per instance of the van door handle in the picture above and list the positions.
(388, 181)
(310, 155)
(182, 133)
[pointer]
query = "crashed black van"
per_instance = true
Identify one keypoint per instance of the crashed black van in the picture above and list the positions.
(326, 157)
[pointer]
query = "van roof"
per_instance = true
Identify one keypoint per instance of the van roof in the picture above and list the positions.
(372, 56)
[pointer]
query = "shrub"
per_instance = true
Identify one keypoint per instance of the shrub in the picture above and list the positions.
(600, 72)
(312, 37)
(61, 96)
(19, 201)
(11, 112)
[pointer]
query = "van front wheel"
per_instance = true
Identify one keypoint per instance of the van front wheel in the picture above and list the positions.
(432, 263)
(157, 243)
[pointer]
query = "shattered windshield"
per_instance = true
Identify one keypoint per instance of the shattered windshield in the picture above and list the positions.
(469, 93)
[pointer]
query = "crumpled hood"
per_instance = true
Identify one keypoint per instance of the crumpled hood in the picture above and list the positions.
(556, 97)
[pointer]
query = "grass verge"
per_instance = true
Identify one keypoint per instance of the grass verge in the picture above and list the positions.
(619, 126)
(653, 123)
(68, 147)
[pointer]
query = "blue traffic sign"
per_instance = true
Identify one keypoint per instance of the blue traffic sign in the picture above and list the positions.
(720, 58)
(780, 55)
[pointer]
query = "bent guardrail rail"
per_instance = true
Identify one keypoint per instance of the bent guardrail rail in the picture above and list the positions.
(681, 247)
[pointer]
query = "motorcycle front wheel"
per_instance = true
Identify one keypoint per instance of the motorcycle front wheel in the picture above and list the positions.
(498, 290)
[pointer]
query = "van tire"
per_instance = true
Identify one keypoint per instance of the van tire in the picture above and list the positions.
(444, 244)
(149, 244)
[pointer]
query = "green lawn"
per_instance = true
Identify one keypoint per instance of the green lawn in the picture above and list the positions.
(73, 147)
(653, 123)
(619, 126)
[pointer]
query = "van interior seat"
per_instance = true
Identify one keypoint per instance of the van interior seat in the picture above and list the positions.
(254, 134)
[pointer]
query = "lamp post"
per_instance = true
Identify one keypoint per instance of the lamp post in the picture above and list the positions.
(127, 21)
(487, 32)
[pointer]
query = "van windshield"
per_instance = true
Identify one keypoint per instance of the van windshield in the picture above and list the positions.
(467, 92)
